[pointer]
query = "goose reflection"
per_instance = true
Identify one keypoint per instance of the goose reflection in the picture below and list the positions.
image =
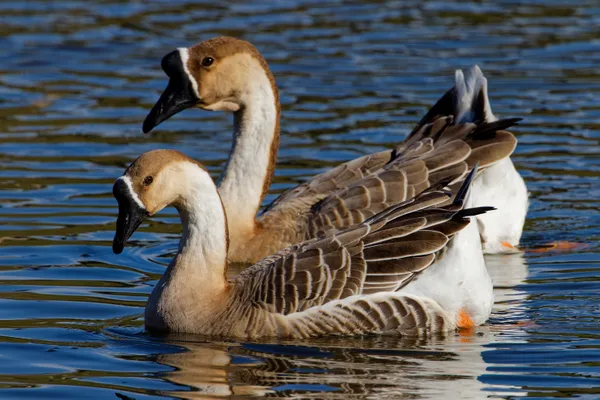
(208, 369)
(508, 273)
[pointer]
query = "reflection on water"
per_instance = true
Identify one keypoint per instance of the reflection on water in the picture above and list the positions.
(76, 81)
(368, 366)
(508, 273)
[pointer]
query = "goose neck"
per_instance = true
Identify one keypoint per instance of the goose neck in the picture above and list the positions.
(249, 170)
(203, 246)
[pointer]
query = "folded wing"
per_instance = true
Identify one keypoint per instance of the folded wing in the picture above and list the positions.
(382, 254)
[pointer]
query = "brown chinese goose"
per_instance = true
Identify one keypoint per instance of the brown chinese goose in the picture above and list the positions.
(228, 74)
(412, 268)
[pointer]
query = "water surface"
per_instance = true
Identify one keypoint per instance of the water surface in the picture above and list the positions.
(76, 81)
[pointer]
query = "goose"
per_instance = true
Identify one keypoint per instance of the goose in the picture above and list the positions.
(229, 74)
(413, 268)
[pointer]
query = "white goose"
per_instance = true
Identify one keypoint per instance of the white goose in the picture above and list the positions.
(411, 269)
(228, 74)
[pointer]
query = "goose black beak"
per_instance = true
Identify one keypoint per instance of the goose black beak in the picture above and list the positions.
(178, 95)
(131, 215)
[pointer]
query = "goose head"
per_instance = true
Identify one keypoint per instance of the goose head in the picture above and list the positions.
(218, 74)
(155, 180)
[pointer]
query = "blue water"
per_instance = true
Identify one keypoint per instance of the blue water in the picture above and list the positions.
(76, 81)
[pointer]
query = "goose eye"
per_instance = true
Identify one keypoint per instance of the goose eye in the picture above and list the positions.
(207, 61)
(148, 180)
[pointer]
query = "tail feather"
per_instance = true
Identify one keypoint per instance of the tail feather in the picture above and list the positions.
(489, 129)
(463, 191)
(471, 102)
(467, 101)
(470, 212)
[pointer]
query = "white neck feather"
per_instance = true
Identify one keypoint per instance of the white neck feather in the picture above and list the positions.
(255, 124)
(203, 246)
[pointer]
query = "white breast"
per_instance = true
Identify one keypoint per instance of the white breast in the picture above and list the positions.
(502, 187)
(459, 280)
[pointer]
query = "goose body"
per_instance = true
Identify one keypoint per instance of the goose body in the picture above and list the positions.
(227, 74)
(413, 268)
